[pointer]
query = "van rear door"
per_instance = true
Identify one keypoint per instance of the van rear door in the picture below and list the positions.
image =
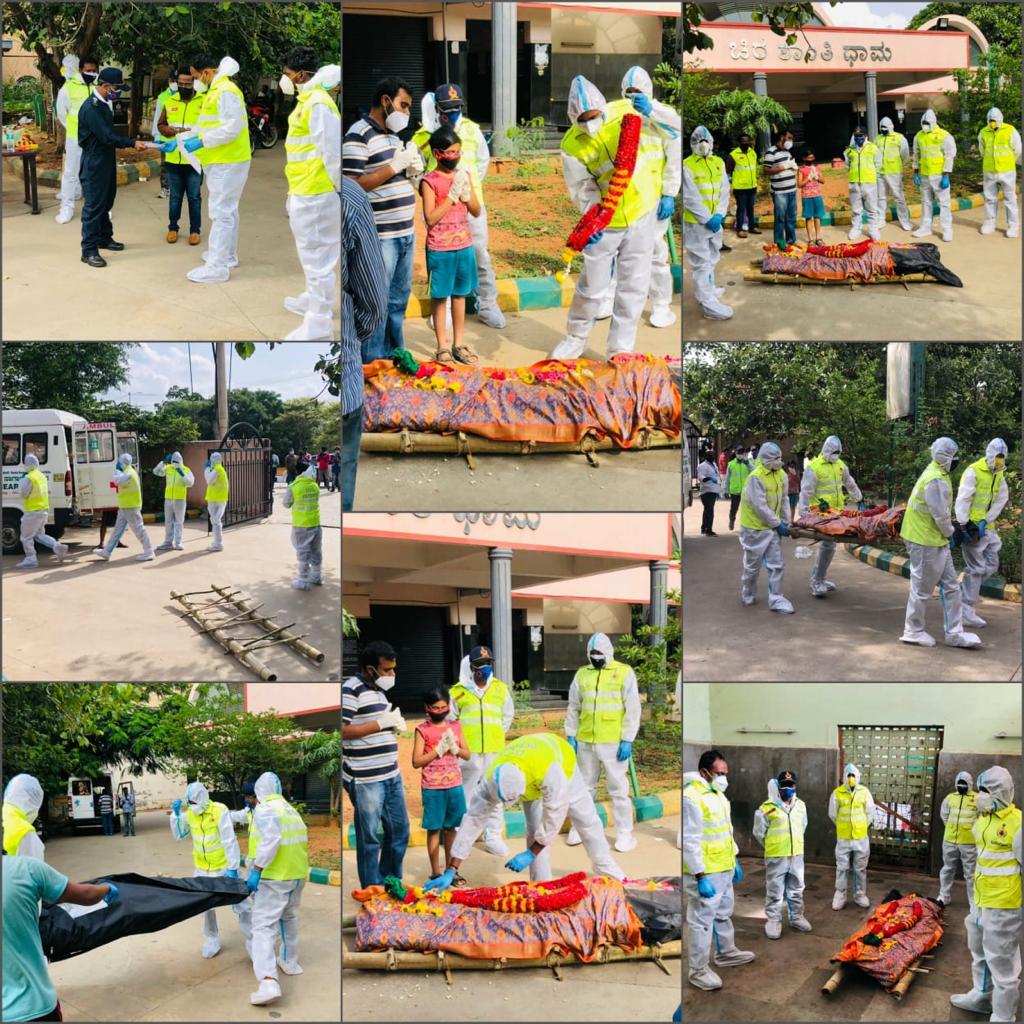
(95, 453)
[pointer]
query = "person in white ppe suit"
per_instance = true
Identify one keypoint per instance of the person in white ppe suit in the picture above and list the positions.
(895, 152)
(927, 533)
(763, 522)
(705, 204)
(958, 811)
(214, 847)
(179, 478)
(934, 153)
(852, 807)
(70, 97)
(601, 723)
(277, 877)
(313, 170)
(826, 481)
(34, 491)
(307, 534)
(710, 869)
(218, 490)
(23, 798)
(980, 498)
(863, 161)
(245, 817)
(779, 826)
(994, 922)
(999, 145)
(539, 769)
(588, 148)
(129, 511)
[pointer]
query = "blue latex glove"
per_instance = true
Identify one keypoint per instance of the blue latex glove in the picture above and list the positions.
(678, 1015)
(252, 883)
(191, 145)
(231, 873)
(176, 807)
(641, 103)
(571, 740)
(737, 873)
(706, 889)
(862, 505)
(782, 530)
(594, 239)
(442, 882)
(167, 459)
(917, 179)
(181, 472)
(625, 750)
(981, 528)
(113, 895)
(521, 861)
(207, 463)
(666, 207)
(823, 505)
(168, 146)
(117, 466)
(944, 181)
(714, 224)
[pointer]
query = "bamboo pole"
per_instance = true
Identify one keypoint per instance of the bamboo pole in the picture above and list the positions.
(850, 282)
(409, 442)
(834, 982)
(295, 642)
(248, 659)
(348, 922)
(899, 990)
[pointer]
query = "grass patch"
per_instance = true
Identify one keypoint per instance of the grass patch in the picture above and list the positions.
(528, 264)
(519, 226)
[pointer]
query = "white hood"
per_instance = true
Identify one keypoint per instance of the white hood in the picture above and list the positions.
(944, 451)
(600, 643)
(267, 785)
(25, 793)
(226, 68)
(328, 76)
(997, 446)
(584, 96)
(196, 793)
(637, 78)
(851, 769)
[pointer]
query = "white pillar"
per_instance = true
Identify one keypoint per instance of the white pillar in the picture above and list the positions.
(503, 75)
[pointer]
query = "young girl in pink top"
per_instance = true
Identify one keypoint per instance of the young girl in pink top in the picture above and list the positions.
(809, 179)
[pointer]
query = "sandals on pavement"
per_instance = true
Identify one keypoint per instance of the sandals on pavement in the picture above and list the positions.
(444, 355)
(464, 354)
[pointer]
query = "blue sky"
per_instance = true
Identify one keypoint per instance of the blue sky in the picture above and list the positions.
(893, 15)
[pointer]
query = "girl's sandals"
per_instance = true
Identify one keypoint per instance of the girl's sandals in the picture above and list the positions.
(459, 882)
(464, 354)
(444, 355)
(818, 241)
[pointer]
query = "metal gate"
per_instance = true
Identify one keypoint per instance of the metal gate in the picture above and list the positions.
(899, 764)
(247, 459)
(696, 442)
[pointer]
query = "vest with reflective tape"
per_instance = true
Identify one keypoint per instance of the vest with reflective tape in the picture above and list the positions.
(737, 471)
(601, 707)
(744, 174)
(207, 849)
(716, 845)
(851, 812)
(175, 488)
(930, 158)
(785, 834)
(774, 481)
(305, 170)
(250, 850)
(292, 858)
(997, 873)
(161, 103)
(988, 482)
(129, 494)
(237, 151)
(963, 810)
(862, 169)
(220, 488)
(830, 481)
(181, 114)
(306, 502)
(534, 755)
(16, 827)
(997, 156)
(481, 716)
(78, 92)
(471, 141)
(918, 525)
(891, 146)
(708, 175)
(38, 499)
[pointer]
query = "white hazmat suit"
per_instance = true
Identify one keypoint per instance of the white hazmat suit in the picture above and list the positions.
(33, 524)
(783, 876)
(931, 184)
(852, 854)
(993, 181)
(126, 518)
(764, 547)
(892, 183)
(961, 809)
(703, 243)
(70, 182)
(215, 508)
(864, 198)
(26, 794)
(308, 544)
(174, 508)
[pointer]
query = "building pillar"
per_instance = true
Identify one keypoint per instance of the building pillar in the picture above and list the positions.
(503, 75)
(658, 615)
(761, 89)
(501, 606)
(871, 102)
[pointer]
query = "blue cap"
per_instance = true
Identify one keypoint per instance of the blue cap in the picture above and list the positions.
(448, 97)
(111, 76)
(248, 789)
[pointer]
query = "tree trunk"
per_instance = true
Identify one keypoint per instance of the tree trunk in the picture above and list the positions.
(139, 72)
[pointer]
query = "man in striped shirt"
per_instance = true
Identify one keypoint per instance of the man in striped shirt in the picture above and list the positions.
(780, 167)
(369, 766)
(375, 158)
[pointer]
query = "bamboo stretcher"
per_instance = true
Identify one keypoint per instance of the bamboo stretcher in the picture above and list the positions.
(898, 991)
(851, 282)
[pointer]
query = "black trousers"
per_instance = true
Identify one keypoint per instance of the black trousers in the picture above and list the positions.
(734, 504)
(99, 186)
(707, 520)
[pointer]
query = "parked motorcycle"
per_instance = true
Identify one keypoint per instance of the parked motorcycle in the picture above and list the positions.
(262, 130)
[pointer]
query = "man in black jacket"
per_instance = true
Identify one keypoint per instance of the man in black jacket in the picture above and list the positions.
(99, 166)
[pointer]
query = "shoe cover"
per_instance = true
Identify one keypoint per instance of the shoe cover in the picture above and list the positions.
(971, 618)
(733, 957)
(625, 842)
(312, 328)
(290, 966)
(988, 228)
(100, 553)
(65, 215)
(179, 547)
(297, 304)
(27, 563)
(569, 348)
(605, 310)
(818, 589)
(215, 547)
(496, 847)
(300, 585)
(268, 991)
(922, 639)
(781, 604)
(662, 316)
(921, 233)
(906, 227)
(165, 546)
(748, 599)
(491, 316)
(947, 236)
(963, 639)
(316, 581)
(861, 900)
(1013, 232)
(773, 928)
(209, 275)
(205, 257)
(146, 556)
(829, 585)
(801, 924)
(839, 901)
(705, 979)
(975, 1001)
(853, 235)
(60, 552)
(717, 311)
(211, 948)
(573, 839)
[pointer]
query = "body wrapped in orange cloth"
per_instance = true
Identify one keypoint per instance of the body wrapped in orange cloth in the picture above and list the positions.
(878, 523)
(863, 261)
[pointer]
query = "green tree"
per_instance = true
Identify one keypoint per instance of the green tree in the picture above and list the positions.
(653, 655)
(699, 87)
(784, 19)
(739, 110)
(999, 22)
(55, 375)
(297, 426)
(321, 752)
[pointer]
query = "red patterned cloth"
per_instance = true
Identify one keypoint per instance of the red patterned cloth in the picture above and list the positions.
(878, 523)
(873, 262)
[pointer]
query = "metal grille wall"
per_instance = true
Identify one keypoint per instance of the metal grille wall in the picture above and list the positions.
(899, 764)
(249, 467)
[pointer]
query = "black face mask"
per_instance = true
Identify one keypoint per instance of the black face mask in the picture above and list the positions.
(598, 660)
(744, 146)
(448, 165)
(961, 788)
(185, 94)
(953, 465)
(437, 718)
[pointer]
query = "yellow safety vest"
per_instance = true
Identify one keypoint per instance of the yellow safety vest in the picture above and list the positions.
(708, 173)
(79, 92)
(207, 849)
(39, 497)
(737, 471)
(997, 874)
(851, 814)
(997, 156)
(601, 706)
(785, 834)
(306, 503)
(481, 716)
(292, 858)
(963, 811)
(597, 154)
(16, 827)
(534, 754)
(305, 170)
(471, 138)
(175, 488)
(236, 151)
(862, 169)
(775, 488)
(918, 525)
(250, 850)
(716, 843)
(181, 114)
(744, 175)
(891, 147)
(830, 481)
(930, 158)
(988, 481)
(129, 495)
(220, 488)
(161, 103)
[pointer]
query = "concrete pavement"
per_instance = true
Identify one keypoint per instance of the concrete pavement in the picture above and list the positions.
(99, 621)
(987, 308)
(853, 634)
(143, 294)
(598, 992)
(162, 977)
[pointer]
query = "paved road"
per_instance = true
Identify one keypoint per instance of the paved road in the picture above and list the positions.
(851, 635)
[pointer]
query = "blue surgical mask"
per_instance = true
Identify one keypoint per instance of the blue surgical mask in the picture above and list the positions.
(451, 119)
(859, 140)
(787, 793)
(482, 675)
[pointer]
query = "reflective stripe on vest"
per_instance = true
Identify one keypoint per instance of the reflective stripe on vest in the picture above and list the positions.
(737, 471)
(292, 858)
(744, 175)
(38, 499)
(207, 849)
(481, 717)
(306, 502)
(716, 843)
(182, 114)
(78, 92)
(534, 754)
(963, 810)
(851, 813)
(862, 170)
(175, 488)
(918, 525)
(236, 151)
(891, 147)
(305, 170)
(601, 705)
(987, 488)
(830, 481)
(16, 827)
(220, 488)
(129, 494)
(997, 156)
(997, 881)
(708, 175)
(775, 487)
(930, 158)
(785, 834)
